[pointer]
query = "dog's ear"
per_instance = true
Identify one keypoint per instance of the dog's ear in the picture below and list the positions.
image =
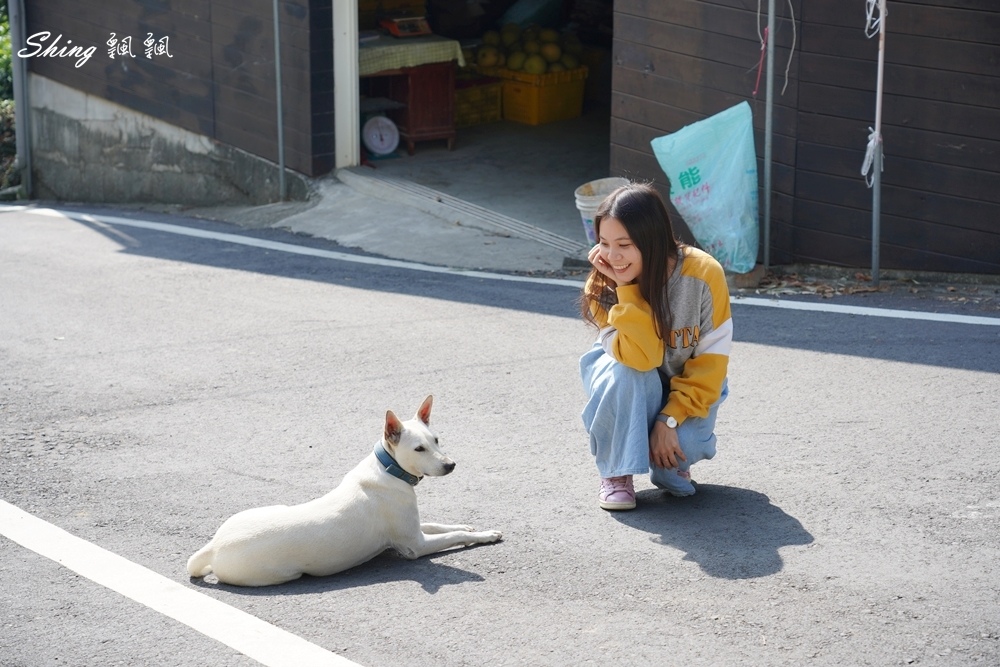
(393, 428)
(424, 413)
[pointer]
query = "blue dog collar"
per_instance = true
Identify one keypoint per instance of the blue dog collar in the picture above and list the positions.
(392, 467)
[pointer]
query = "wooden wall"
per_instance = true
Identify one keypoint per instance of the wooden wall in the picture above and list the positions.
(679, 62)
(220, 81)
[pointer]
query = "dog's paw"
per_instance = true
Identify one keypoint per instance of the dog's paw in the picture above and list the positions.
(491, 535)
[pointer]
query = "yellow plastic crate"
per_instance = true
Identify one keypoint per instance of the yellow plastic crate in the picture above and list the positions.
(478, 101)
(535, 99)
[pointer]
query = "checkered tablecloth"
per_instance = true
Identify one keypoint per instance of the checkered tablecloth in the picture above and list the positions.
(388, 53)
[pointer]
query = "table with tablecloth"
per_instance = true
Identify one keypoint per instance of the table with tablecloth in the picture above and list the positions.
(395, 53)
(417, 73)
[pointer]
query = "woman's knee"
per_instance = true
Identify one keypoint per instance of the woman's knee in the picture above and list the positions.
(628, 376)
(698, 448)
(605, 371)
(696, 437)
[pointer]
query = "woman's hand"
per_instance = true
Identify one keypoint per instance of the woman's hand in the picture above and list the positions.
(664, 447)
(601, 265)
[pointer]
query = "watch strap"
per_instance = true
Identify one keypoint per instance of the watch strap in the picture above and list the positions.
(666, 419)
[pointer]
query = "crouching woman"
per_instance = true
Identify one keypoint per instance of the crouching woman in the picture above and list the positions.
(657, 373)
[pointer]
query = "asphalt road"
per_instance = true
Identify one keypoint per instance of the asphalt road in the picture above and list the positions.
(152, 384)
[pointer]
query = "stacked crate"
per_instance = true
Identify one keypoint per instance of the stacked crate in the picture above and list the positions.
(478, 100)
(535, 99)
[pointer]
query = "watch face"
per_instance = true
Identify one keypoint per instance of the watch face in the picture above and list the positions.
(380, 135)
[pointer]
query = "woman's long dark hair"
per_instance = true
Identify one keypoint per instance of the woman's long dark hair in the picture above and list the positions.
(640, 209)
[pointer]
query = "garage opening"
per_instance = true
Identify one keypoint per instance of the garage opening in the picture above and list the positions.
(515, 124)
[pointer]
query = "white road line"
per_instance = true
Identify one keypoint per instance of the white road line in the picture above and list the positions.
(257, 639)
(859, 310)
(292, 248)
(415, 266)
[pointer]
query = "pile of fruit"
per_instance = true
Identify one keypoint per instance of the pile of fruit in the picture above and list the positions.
(533, 49)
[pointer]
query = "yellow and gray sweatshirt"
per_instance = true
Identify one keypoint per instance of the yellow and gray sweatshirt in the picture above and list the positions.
(694, 354)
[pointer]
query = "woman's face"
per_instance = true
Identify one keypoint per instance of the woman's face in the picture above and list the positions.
(618, 251)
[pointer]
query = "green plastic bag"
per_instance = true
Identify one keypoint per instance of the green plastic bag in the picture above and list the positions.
(712, 167)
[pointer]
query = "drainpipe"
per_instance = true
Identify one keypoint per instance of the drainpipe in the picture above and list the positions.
(22, 106)
(278, 95)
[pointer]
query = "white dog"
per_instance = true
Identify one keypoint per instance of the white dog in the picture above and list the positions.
(373, 509)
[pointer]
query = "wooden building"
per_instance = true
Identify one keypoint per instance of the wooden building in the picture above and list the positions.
(674, 62)
(218, 76)
(678, 62)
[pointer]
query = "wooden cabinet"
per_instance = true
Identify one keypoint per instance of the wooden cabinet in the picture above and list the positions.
(428, 93)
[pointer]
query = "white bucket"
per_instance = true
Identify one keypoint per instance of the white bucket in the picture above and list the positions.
(589, 196)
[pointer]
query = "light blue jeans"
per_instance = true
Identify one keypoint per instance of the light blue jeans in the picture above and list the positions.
(621, 408)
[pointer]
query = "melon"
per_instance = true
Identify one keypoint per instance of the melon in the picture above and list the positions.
(535, 64)
(569, 61)
(488, 56)
(510, 34)
(515, 60)
(549, 35)
(551, 52)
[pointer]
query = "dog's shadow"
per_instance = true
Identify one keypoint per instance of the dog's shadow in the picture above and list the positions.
(385, 568)
(731, 533)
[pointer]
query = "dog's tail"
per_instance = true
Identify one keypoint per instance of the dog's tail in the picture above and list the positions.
(200, 563)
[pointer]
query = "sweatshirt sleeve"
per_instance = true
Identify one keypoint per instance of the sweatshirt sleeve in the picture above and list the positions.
(628, 333)
(694, 390)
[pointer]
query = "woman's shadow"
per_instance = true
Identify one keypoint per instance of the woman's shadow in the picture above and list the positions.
(731, 533)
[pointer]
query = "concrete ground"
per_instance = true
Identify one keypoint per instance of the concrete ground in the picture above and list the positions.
(503, 200)
(156, 382)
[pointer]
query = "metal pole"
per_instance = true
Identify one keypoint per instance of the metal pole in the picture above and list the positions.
(768, 129)
(22, 105)
(877, 158)
(281, 115)
(876, 210)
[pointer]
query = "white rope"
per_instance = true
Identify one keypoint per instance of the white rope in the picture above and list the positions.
(875, 25)
(873, 22)
(791, 51)
(759, 35)
(874, 144)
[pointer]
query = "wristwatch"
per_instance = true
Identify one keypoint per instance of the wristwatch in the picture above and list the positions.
(667, 419)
